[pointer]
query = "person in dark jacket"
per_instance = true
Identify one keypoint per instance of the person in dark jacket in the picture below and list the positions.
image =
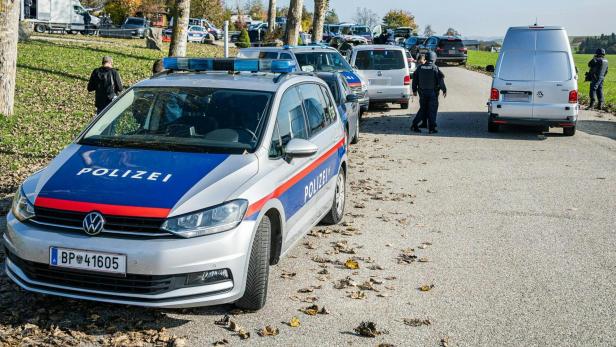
(421, 119)
(105, 81)
(598, 70)
(428, 81)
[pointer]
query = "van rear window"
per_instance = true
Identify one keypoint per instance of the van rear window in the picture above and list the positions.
(380, 60)
(516, 66)
(552, 66)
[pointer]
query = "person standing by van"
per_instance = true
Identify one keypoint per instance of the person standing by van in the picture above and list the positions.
(105, 81)
(420, 119)
(598, 70)
(428, 81)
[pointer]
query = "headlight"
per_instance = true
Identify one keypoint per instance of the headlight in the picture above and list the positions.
(22, 208)
(210, 221)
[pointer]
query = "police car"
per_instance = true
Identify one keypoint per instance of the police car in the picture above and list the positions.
(315, 58)
(185, 189)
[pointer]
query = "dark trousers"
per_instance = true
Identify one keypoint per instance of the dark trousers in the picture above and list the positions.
(596, 91)
(428, 106)
(101, 107)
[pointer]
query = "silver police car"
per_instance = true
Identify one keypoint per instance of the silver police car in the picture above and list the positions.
(185, 190)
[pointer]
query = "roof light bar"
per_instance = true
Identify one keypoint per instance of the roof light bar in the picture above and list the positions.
(230, 65)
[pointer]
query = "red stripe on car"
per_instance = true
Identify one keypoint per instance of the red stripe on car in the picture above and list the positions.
(112, 210)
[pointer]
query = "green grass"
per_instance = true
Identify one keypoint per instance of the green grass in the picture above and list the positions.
(52, 104)
(479, 60)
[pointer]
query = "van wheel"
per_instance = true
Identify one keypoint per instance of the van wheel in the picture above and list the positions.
(40, 28)
(569, 131)
(492, 127)
(334, 216)
(258, 269)
(404, 106)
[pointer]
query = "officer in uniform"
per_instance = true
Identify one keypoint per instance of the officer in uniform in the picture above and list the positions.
(428, 81)
(598, 70)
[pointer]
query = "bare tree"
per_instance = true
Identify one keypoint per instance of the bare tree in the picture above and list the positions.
(9, 28)
(367, 17)
(294, 22)
(179, 38)
(428, 31)
(452, 32)
(320, 7)
(271, 16)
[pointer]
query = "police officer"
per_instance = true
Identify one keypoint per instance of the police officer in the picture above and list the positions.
(428, 80)
(421, 114)
(598, 70)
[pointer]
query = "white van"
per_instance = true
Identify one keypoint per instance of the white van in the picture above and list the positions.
(386, 69)
(535, 80)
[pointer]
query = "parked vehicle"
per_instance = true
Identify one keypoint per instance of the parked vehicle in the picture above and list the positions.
(413, 43)
(386, 69)
(58, 15)
(448, 49)
(184, 190)
(346, 101)
(136, 26)
(363, 31)
(329, 31)
(404, 32)
(535, 80)
(197, 34)
(315, 58)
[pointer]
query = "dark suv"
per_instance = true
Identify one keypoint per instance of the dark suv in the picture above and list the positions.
(413, 43)
(448, 49)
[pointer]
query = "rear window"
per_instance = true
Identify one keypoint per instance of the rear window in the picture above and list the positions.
(552, 40)
(450, 44)
(516, 66)
(552, 66)
(135, 21)
(380, 60)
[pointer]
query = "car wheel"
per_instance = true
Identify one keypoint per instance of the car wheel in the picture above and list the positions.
(569, 131)
(404, 106)
(336, 212)
(257, 277)
(492, 127)
(40, 28)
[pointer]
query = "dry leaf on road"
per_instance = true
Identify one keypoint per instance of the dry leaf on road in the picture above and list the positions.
(268, 331)
(426, 287)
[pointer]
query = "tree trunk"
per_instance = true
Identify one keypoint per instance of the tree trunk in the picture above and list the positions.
(179, 37)
(294, 22)
(271, 16)
(320, 7)
(9, 28)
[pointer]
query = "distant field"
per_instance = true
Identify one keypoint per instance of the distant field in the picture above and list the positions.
(479, 60)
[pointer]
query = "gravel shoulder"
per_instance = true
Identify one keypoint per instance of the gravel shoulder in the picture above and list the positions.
(514, 230)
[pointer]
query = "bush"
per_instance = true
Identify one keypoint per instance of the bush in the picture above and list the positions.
(244, 40)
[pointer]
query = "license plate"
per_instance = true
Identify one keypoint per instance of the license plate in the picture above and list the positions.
(87, 260)
(452, 51)
(516, 97)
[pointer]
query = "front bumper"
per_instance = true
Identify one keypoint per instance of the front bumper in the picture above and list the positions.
(27, 243)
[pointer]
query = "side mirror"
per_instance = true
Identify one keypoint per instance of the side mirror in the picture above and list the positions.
(298, 148)
(490, 68)
(352, 98)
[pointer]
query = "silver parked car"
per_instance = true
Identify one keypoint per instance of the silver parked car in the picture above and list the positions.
(184, 190)
(535, 80)
(386, 69)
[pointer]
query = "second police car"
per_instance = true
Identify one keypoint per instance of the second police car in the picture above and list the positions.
(184, 190)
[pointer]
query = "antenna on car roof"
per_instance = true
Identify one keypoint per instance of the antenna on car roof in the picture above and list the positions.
(536, 22)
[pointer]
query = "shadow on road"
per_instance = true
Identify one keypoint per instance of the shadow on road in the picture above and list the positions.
(452, 124)
(598, 127)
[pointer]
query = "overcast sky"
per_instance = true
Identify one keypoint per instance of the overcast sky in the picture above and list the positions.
(491, 17)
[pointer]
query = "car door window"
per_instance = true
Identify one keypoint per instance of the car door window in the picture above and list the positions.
(314, 104)
(290, 118)
(330, 107)
(268, 55)
(286, 56)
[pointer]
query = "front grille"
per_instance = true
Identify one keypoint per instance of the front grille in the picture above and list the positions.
(133, 284)
(119, 225)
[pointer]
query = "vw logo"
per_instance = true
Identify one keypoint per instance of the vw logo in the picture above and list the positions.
(540, 94)
(93, 223)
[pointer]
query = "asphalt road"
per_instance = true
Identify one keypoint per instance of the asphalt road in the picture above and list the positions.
(517, 230)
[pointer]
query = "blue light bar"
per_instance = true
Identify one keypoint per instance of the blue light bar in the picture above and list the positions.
(230, 65)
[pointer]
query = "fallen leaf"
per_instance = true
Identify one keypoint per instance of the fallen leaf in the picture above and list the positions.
(426, 287)
(268, 331)
(368, 329)
(243, 334)
(351, 264)
(445, 341)
(222, 342)
(344, 283)
(423, 260)
(223, 321)
(359, 295)
(310, 310)
(294, 322)
(415, 322)
(287, 275)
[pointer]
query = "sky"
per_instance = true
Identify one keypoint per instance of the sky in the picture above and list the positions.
(490, 17)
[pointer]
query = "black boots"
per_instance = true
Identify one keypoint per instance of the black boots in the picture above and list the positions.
(415, 129)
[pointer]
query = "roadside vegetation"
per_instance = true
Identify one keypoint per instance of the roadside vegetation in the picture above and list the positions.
(52, 103)
(478, 60)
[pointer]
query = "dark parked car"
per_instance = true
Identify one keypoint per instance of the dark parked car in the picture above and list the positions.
(448, 49)
(405, 32)
(413, 43)
(346, 102)
(137, 26)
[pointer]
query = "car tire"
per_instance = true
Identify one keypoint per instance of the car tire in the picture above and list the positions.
(336, 212)
(257, 277)
(40, 28)
(492, 127)
(569, 131)
(404, 106)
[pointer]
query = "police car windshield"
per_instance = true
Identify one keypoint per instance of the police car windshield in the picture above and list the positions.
(323, 61)
(183, 119)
